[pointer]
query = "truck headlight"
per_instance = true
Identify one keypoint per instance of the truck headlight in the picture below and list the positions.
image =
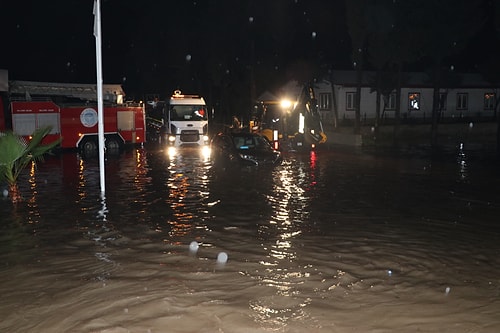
(171, 151)
(206, 152)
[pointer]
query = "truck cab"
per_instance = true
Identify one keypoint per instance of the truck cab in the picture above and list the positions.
(186, 121)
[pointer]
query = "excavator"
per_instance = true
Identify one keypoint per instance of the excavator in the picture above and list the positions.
(290, 126)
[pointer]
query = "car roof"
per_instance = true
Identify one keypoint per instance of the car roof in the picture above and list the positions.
(246, 134)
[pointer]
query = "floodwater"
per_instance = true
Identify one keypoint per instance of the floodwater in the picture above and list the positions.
(332, 241)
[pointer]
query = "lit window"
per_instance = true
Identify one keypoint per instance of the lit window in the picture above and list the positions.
(462, 101)
(413, 101)
(489, 101)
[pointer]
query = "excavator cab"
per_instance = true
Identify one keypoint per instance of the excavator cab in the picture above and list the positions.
(292, 127)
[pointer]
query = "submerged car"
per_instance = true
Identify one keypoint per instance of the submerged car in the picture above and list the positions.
(244, 148)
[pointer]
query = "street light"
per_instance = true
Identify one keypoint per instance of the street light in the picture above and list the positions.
(285, 104)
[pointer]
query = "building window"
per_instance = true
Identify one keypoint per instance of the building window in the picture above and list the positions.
(325, 101)
(390, 101)
(442, 101)
(489, 101)
(462, 101)
(350, 101)
(413, 101)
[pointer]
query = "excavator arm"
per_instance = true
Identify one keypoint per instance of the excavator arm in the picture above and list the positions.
(313, 126)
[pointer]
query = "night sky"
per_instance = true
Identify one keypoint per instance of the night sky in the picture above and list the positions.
(155, 45)
(158, 46)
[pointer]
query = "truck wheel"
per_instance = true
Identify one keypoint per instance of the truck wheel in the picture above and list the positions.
(162, 135)
(113, 145)
(88, 147)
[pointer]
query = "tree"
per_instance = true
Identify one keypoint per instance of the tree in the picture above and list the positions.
(380, 21)
(16, 154)
(445, 28)
(356, 23)
(390, 46)
(490, 68)
(430, 33)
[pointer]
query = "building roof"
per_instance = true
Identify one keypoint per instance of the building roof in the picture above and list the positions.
(86, 92)
(410, 79)
(267, 96)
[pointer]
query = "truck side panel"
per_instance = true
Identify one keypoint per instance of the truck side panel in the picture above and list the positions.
(131, 124)
(29, 116)
(78, 122)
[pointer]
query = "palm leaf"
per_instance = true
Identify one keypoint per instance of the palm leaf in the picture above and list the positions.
(16, 153)
(12, 149)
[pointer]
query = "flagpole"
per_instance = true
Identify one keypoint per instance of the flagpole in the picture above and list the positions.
(100, 109)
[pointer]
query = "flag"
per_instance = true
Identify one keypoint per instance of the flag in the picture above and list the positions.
(96, 18)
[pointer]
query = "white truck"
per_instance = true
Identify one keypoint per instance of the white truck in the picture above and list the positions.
(186, 122)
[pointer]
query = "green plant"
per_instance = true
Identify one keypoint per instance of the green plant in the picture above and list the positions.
(16, 153)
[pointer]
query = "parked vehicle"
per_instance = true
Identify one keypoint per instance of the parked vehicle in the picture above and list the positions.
(244, 148)
(71, 112)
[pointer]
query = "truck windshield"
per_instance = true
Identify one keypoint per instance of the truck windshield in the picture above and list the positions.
(188, 112)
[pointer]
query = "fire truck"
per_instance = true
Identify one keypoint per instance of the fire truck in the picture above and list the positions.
(71, 112)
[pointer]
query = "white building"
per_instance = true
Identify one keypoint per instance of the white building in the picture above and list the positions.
(472, 96)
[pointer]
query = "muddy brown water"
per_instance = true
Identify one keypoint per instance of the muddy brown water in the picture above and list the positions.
(332, 241)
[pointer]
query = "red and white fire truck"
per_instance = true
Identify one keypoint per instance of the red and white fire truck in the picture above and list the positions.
(71, 111)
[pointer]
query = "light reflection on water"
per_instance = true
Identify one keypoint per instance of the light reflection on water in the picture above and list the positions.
(462, 162)
(188, 193)
(330, 241)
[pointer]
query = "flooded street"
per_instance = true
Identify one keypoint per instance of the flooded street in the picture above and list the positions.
(332, 241)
